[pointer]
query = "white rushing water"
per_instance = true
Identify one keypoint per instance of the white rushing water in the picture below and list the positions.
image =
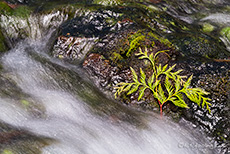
(69, 120)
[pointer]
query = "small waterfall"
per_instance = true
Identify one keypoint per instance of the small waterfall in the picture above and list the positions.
(31, 26)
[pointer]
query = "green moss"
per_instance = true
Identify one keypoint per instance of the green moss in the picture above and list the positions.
(6, 151)
(5, 9)
(207, 27)
(185, 28)
(108, 2)
(22, 11)
(116, 57)
(225, 32)
(138, 39)
(3, 46)
(161, 39)
(135, 43)
(25, 102)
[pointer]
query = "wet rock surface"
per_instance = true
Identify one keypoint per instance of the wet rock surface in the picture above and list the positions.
(72, 47)
(213, 77)
(16, 140)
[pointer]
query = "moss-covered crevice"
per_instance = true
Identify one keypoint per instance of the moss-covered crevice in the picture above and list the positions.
(3, 43)
(5, 9)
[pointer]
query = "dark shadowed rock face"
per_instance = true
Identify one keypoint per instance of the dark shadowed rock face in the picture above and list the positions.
(98, 66)
(72, 47)
(213, 77)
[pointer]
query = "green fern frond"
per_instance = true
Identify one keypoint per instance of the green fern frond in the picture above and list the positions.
(170, 68)
(178, 102)
(134, 89)
(128, 87)
(177, 84)
(164, 68)
(151, 80)
(188, 82)
(151, 57)
(143, 77)
(169, 86)
(135, 77)
(141, 92)
(171, 89)
(155, 84)
(161, 93)
(162, 51)
(159, 69)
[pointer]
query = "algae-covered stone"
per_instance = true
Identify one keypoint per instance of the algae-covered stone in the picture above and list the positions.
(225, 32)
(3, 45)
(207, 27)
(17, 140)
(4, 8)
(7, 151)
(16, 10)
(22, 11)
(107, 2)
(201, 45)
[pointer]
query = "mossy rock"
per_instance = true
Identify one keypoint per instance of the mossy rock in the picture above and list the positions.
(7, 151)
(108, 2)
(123, 53)
(5, 9)
(22, 11)
(207, 27)
(200, 45)
(3, 45)
(225, 32)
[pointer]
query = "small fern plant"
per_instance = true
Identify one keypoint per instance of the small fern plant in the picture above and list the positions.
(165, 84)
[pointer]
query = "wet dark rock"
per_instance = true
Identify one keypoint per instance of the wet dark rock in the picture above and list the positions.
(19, 140)
(214, 78)
(99, 30)
(101, 68)
(155, 1)
(93, 23)
(19, 1)
(39, 3)
(199, 45)
(7, 137)
(72, 47)
(8, 88)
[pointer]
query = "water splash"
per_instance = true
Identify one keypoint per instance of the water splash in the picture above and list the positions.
(33, 26)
